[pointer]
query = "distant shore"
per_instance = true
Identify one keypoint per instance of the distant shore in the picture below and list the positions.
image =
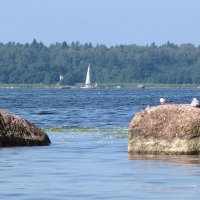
(103, 85)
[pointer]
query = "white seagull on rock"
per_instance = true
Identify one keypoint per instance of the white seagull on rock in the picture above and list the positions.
(164, 101)
(195, 102)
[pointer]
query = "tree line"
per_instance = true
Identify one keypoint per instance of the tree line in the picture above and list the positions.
(37, 63)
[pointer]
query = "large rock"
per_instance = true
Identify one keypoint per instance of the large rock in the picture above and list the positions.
(166, 129)
(16, 131)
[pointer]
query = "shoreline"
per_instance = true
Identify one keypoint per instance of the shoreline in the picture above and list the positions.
(105, 85)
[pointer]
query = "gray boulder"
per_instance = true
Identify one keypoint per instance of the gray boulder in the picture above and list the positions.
(16, 131)
(165, 129)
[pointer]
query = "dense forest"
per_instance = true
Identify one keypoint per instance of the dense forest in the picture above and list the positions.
(37, 63)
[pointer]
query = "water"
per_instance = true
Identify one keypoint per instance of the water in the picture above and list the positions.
(91, 165)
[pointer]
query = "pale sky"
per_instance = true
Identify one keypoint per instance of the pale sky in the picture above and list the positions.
(108, 22)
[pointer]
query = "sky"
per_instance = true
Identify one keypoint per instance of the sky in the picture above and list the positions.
(108, 22)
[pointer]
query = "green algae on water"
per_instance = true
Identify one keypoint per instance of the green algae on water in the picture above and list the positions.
(83, 130)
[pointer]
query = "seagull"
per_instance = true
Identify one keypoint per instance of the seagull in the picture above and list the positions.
(147, 108)
(195, 102)
(164, 101)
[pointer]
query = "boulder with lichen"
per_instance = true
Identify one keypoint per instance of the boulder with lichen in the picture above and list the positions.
(165, 129)
(16, 131)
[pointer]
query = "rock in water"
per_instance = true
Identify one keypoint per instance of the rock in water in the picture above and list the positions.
(16, 131)
(166, 129)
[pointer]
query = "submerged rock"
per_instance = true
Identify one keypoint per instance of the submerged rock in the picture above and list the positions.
(16, 131)
(166, 129)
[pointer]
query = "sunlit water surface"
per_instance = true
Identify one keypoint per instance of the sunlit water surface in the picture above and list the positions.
(91, 165)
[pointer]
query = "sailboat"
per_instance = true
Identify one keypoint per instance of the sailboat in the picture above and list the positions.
(87, 80)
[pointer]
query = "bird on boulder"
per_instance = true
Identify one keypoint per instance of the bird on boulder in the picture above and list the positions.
(164, 101)
(195, 102)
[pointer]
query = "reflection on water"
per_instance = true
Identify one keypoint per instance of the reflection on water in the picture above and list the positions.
(176, 159)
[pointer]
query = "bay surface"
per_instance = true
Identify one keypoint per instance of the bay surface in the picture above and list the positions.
(92, 165)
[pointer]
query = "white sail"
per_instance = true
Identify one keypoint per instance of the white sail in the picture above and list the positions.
(87, 81)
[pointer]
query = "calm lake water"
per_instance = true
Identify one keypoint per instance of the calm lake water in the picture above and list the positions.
(92, 165)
